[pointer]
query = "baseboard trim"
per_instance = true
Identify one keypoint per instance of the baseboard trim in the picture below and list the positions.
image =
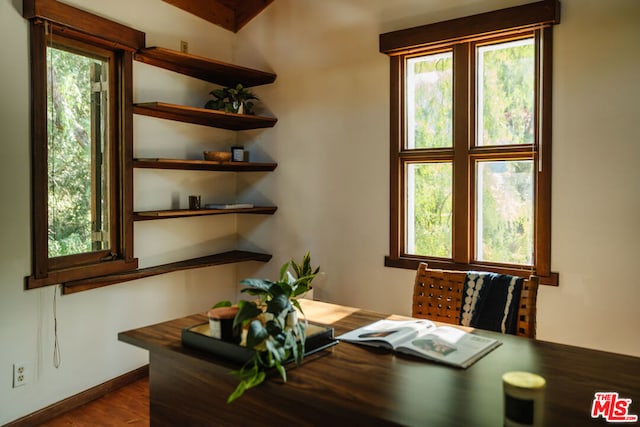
(52, 411)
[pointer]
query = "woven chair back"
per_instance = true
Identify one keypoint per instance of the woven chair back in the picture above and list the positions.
(438, 295)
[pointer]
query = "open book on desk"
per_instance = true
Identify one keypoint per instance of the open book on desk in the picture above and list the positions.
(422, 338)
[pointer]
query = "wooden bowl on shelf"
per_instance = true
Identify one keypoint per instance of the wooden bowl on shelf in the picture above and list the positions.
(217, 156)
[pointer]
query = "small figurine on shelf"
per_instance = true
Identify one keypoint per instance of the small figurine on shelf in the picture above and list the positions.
(232, 100)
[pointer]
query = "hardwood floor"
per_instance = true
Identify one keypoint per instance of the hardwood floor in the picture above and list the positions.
(128, 405)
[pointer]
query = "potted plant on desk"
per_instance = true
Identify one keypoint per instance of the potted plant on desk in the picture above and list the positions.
(273, 329)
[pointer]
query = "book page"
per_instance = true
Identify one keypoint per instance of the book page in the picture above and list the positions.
(449, 345)
(388, 333)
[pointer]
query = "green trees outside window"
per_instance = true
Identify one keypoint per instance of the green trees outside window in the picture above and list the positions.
(430, 101)
(81, 142)
(470, 142)
(505, 116)
(77, 151)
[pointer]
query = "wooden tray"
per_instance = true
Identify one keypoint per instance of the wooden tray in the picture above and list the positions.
(318, 338)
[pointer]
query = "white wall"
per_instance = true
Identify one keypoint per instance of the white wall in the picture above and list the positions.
(88, 322)
(331, 142)
(331, 185)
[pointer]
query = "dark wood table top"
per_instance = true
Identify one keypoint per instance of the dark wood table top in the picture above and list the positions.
(372, 386)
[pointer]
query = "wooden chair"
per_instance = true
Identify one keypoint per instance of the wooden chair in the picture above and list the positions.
(438, 295)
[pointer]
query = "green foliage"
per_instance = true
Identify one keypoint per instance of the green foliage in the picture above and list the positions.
(222, 304)
(508, 79)
(507, 212)
(69, 153)
(304, 274)
(433, 209)
(506, 117)
(433, 101)
(229, 99)
(270, 332)
(250, 376)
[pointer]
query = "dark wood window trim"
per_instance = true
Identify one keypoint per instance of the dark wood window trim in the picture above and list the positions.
(458, 34)
(532, 15)
(84, 25)
(74, 24)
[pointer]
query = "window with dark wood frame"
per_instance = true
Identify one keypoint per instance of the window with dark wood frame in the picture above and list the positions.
(57, 25)
(461, 37)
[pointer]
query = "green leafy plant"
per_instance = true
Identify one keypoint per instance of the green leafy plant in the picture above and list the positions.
(304, 272)
(271, 322)
(230, 99)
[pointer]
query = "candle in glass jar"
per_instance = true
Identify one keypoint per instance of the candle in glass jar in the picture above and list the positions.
(523, 399)
(221, 324)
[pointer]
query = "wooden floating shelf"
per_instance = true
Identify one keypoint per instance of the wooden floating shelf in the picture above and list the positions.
(206, 69)
(203, 116)
(181, 213)
(206, 261)
(203, 165)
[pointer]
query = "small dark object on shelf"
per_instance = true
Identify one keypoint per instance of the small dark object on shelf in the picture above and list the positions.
(194, 203)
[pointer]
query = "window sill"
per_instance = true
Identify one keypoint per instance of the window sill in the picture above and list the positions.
(82, 272)
(411, 263)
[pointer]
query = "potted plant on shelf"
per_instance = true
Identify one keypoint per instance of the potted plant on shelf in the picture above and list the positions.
(232, 100)
(272, 327)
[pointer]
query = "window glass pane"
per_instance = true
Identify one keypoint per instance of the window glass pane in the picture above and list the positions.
(77, 155)
(506, 88)
(504, 211)
(429, 209)
(429, 101)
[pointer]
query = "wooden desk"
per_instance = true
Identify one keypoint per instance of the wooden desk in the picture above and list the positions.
(357, 385)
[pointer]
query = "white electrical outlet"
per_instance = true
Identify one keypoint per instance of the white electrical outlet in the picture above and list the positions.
(184, 46)
(21, 374)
